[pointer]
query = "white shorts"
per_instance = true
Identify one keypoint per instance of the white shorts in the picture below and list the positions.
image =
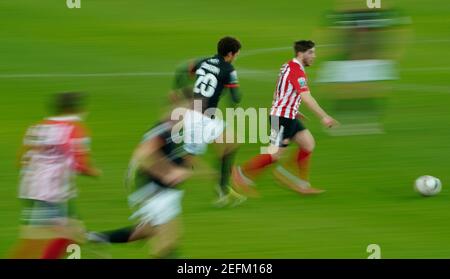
(160, 208)
(357, 71)
(199, 131)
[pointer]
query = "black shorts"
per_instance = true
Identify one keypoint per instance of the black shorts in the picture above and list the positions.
(282, 128)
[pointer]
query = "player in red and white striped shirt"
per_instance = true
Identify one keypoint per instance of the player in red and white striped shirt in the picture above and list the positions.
(291, 89)
(291, 83)
(54, 151)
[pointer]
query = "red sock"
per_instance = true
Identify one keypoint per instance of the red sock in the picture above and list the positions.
(56, 248)
(303, 157)
(253, 167)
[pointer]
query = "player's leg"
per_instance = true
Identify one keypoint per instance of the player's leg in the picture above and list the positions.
(165, 239)
(298, 180)
(121, 235)
(226, 195)
(162, 214)
(32, 239)
(306, 143)
(45, 231)
(252, 168)
(226, 152)
(214, 131)
(227, 158)
(156, 214)
(68, 229)
(28, 249)
(244, 176)
(56, 248)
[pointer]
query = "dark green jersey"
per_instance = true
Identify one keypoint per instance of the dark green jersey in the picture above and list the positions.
(213, 74)
(172, 149)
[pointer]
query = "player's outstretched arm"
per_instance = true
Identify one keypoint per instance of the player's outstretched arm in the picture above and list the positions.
(79, 143)
(312, 104)
(150, 158)
(83, 165)
(235, 95)
(92, 171)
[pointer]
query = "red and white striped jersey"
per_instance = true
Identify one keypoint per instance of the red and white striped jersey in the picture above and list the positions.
(56, 148)
(291, 83)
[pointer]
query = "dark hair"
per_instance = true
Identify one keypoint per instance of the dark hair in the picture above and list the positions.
(227, 45)
(303, 45)
(68, 102)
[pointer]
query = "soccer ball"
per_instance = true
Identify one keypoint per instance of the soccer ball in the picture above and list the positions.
(428, 185)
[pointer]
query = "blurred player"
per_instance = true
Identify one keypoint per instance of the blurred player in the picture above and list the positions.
(158, 166)
(201, 127)
(358, 72)
(291, 90)
(54, 151)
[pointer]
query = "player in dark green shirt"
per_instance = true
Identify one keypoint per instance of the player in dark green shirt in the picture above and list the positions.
(200, 83)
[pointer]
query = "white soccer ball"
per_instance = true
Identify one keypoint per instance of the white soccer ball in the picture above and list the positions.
(428, 185)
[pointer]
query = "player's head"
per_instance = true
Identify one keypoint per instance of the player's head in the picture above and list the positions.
(228, 48)
(68, 103)
(305, 51)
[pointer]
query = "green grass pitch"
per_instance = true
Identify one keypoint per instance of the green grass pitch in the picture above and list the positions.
(368, 179)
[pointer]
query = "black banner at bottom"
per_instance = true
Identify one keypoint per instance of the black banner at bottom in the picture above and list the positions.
(244, 268)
